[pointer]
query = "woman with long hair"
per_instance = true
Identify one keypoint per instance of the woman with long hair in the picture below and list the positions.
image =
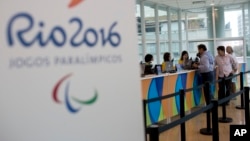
(184, 57)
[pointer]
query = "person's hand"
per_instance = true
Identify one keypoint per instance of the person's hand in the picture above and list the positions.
(234, 71)
(195, 65)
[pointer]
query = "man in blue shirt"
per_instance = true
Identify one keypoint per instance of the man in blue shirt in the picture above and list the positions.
(206, 69)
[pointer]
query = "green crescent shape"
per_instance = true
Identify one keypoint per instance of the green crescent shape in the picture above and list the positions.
(87, 102)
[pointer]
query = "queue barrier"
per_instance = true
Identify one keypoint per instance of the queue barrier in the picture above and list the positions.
(154, 130)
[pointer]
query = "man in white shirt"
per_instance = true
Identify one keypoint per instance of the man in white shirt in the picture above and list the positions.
(226, 66)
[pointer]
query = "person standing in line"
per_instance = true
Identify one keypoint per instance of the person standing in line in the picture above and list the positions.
(226, 66)
(230, 51)
(206, 69)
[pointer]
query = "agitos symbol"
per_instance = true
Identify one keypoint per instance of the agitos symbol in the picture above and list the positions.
(67, 98)
(74, 3)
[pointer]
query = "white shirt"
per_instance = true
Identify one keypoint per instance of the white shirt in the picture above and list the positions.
(225, 65)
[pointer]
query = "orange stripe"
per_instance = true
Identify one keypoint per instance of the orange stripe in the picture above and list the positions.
(189, 84)
(145, 87)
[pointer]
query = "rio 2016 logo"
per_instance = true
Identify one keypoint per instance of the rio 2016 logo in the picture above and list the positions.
(58, 35)
(67, 98)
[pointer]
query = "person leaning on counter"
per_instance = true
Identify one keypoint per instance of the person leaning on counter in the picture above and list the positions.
(148, 64)
(184, 60)
(184, 57)
(206, 69)
(166, 59)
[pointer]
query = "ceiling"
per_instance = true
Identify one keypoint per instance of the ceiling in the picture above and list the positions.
(194, 4)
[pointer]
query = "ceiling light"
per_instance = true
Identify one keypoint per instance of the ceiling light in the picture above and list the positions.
(212, 3)
(199, 2)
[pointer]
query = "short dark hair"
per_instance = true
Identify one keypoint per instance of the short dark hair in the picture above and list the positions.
(222, 48)
(148, 57)
(202, 46)
(166, 56)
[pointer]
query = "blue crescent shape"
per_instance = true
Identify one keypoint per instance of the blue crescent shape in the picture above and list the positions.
(154, 108)
(178, 87)
(197, 92)
(68, 105)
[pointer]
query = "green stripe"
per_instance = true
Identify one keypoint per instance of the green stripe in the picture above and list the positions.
(87, 102)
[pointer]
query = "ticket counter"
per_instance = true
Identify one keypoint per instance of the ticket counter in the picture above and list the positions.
(169, 83)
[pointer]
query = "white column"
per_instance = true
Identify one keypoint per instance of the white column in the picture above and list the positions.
(143, 31)
(214, 29)
(180, 30)
(248, 16)
(186, 29)
(157, 35)
(169, 31)
(244, 33)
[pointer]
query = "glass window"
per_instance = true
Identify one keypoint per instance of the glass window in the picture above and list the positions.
(198, 21)
(183, 25)
(164, 48)
(174, 24)
(184, 45)
(247, 33)
(139, 35)
(138, 19)
(175, 51)
(150, 29)
(233, 21)
(163, 31)
(192, 47)
(247, 49)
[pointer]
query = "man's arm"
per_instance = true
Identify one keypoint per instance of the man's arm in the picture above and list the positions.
(234, 63)
(204, 63)
(216, 68)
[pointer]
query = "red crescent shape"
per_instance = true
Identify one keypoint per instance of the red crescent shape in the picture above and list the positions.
(74, 3)
(55, 90)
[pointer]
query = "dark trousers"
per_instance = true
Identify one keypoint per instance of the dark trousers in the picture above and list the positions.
(225, 88)
(207, 77)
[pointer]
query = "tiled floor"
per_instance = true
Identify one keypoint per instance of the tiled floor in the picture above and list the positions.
(194, 125)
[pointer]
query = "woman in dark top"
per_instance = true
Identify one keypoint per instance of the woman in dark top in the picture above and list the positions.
(148, 64)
